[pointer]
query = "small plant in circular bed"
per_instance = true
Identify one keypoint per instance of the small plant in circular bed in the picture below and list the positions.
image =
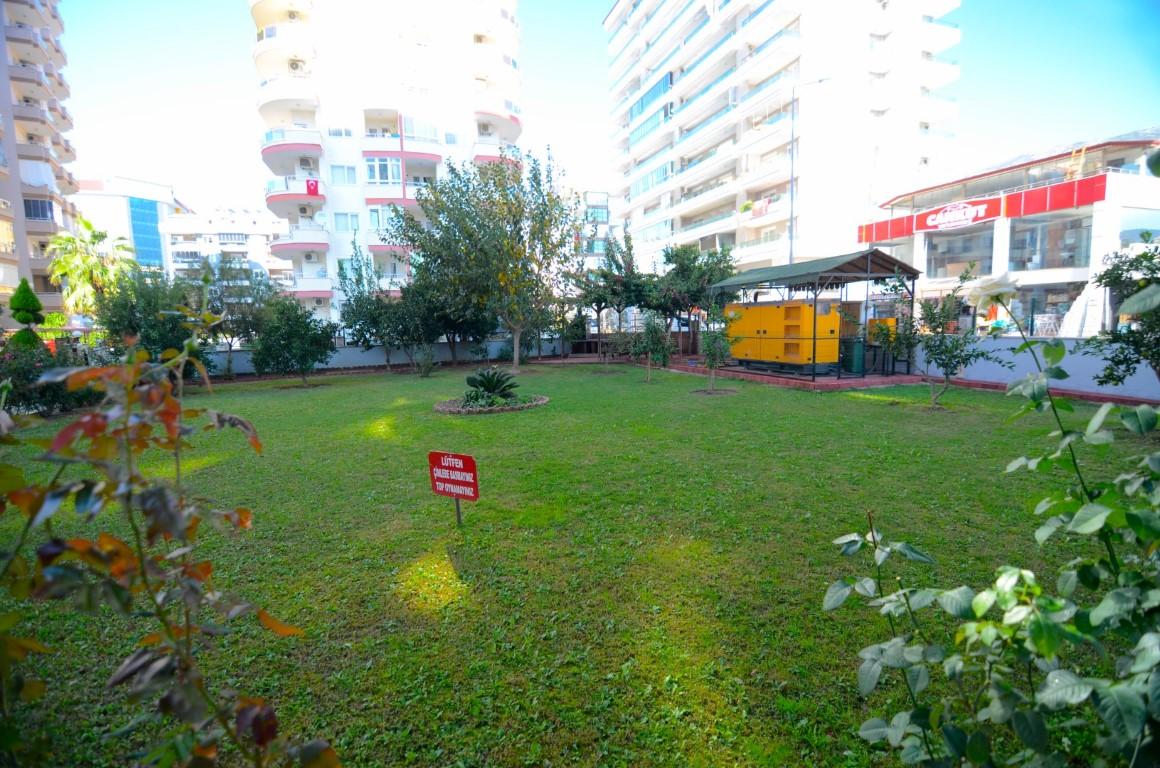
(490, 388)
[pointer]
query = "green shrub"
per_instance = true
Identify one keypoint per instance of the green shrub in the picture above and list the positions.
(25, 310)
(494, 382)
(425, 361)
(24, 365)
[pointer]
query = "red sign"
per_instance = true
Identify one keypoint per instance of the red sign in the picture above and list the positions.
(454, 475)
(955, 215)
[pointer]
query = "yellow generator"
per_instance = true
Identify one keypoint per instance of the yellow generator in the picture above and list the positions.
(779, 334)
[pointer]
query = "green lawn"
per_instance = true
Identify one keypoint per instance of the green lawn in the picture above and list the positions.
(641, 583)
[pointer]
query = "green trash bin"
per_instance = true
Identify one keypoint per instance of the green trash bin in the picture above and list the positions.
(853, 355)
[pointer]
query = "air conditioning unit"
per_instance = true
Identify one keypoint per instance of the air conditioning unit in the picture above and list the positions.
(485, 129)
(306, 163)
(308, 257)
(319, 302)
(292, 15)
(296, 65)
(303, 210)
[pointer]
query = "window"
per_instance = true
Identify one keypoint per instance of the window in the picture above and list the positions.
(379, 216)
(384, 170)
(598, 215)
(450, 138)
(143, 223)
(339, 132)
(949, 255)
(1051, 242)
(231, 237)
(346, 222)
(41, 284)
(1033, 302)
(419, 129)
(38, 210)
(342, 174)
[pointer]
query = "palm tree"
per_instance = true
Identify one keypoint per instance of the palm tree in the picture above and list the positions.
(86, 263)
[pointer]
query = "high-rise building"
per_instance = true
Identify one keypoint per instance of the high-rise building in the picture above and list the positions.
(241, 236)
(131, 209)
(596, 228)
(769, 127)
(355, 128)
(33, 150)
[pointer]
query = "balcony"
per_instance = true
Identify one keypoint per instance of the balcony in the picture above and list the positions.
(501, 113)
(393, 283)
(282, 95)
(279, 44)
(41, 226)
(67, 183)
(708, 225)
(766, 211)
(64, 149)
(32, 113)
(282, 148)
(267, 12)
(302, 239)
(935, 73)
(769, 249)
(490, 149)
(29, 12)
(315, 285)
(30, 78)
(60, 116)
(937, 37)
(291, 195)
(56, 83)
(26, 43)
(37, 152)
(5, 209)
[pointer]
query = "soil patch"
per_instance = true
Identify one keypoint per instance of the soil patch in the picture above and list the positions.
(456, 407)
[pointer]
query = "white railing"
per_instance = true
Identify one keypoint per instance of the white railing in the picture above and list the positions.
(292, 135)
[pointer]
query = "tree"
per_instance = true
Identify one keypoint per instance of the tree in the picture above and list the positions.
(26, 310)
(293, 340)
(716, 346)
(87, 264)
(944, 345)
(626, 287)
(1135, 277)
(495, 237)
(653, 343)
(364, 307)
(687, 285)
(239, 295)
(139, 310)
(411, 322)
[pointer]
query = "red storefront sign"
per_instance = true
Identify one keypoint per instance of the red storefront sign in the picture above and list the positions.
(956, 215)
(454, 475)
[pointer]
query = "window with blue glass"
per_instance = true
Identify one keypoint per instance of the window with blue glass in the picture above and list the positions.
(143, 219)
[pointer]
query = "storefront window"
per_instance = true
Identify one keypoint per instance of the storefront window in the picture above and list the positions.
(1051, 242)
(1041, 307)
(949, 255)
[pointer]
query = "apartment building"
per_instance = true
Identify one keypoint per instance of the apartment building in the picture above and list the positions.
(1048, 218)
(596, 228)
(241, 236)
(356, 128)
(34, 182)
(132, 209)
(771, 127)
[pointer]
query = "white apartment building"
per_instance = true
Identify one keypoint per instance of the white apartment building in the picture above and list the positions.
(34, 181)
(365, 102)
(132, 209)
(772, 126)
(242, 236)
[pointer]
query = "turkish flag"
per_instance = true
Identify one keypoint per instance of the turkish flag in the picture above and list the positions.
(312, 187)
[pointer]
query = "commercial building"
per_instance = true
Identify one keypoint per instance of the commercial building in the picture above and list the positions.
(769, 127)
(241, 236)
(1049, 219)
(34, 181)
(354, 129)
(132, 209)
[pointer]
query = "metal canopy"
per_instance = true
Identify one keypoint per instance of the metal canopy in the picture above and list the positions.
(856, 267)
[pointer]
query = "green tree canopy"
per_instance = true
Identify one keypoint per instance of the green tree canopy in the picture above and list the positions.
(86, 264)
(293, 340)
(26, 309)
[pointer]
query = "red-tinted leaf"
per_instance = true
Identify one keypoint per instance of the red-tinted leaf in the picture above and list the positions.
(278, 627)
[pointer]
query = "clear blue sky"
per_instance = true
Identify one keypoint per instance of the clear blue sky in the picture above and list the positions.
(166, 93)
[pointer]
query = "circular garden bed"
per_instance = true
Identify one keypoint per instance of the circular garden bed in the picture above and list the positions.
(456, 406)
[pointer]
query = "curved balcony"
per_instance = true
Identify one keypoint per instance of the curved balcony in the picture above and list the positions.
(61, 116)
(301, 240)
(67, 183)
(267, 12)
(31, 113)
(279, 96)
(56, 83)
(26, 43)
(29, 80)
(282, 148)
(501, 114)
(291, 195)
(30, 12)
(279, 44)
(37, 152)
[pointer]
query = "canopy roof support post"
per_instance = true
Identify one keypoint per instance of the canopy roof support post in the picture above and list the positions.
(814, 335)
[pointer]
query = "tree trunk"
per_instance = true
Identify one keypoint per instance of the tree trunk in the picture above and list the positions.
(648, 369)
(516, 333)
(305, 383)
(229, 361)
(712, 378)
(451, 337)
(387, 356)
(934, 397)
